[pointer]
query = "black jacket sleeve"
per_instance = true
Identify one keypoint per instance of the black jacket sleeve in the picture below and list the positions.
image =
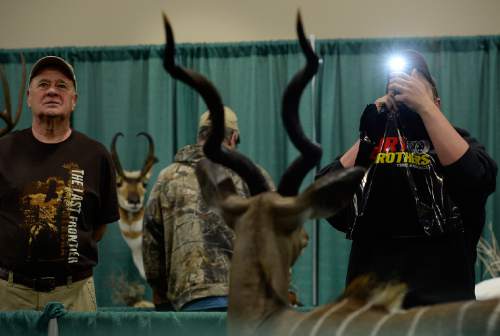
(470, 180)
(475, 171)
(341, 219)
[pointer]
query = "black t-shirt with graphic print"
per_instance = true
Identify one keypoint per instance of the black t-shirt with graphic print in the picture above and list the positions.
(404, 191)
(52, 198)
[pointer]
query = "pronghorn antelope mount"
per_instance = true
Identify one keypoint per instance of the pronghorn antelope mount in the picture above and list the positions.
(6, 114)
(270, 236)
(131, 189)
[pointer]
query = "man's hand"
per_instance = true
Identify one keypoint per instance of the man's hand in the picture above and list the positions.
(416, 93)
(388, 102)
(412, 90)
(99, 232)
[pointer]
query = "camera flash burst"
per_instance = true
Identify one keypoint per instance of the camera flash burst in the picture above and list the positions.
(397, 64)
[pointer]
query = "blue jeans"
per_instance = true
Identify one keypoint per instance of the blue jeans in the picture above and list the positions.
(210, 303)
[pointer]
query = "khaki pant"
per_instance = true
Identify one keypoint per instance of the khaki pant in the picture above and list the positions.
(78, 296)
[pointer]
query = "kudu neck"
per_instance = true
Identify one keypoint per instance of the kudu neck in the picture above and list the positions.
(253, 295)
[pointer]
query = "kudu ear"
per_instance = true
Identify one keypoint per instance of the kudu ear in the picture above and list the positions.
(215, 184)
(218, 190)
(331, 193)
(325, 197)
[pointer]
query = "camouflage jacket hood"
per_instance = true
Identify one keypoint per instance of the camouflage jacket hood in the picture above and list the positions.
(189, 155)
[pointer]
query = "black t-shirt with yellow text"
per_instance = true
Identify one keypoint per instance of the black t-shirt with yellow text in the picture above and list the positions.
(404, 193)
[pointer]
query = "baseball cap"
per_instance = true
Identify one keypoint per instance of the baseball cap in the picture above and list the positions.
(230, 119)
(54, 62)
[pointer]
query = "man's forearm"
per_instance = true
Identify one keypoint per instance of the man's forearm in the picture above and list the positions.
(347, 160)
(448, 144)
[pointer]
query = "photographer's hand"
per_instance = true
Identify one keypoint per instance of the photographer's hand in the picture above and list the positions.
(386, 102)
(414, 92)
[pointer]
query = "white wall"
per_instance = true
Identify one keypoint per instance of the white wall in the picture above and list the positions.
(48, 23)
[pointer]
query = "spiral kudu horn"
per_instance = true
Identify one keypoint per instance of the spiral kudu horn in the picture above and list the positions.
(310, 152)
(248, 171)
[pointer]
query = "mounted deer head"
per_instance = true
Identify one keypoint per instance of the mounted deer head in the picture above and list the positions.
(6, 114)
(131, 189)
(269, 235)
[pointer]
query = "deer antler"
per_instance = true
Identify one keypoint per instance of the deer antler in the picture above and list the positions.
(150, 159)
(6, 115)
(114, 155)
(212, 148)
(310, 152)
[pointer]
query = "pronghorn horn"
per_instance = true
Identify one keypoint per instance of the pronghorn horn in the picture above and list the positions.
(114, 155)
(150, 159)
(310, 152)
(212, 148)
(6, 115)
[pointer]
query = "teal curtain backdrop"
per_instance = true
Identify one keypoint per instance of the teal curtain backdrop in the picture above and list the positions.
(125, 89)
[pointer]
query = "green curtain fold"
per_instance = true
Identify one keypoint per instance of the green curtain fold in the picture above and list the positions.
(125, 89)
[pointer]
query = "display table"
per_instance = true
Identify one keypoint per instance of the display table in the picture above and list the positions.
(116, 321)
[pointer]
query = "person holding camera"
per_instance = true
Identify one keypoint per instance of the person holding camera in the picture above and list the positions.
(420, 210)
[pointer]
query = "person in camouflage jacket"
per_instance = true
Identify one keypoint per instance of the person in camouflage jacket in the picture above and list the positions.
(187, 247)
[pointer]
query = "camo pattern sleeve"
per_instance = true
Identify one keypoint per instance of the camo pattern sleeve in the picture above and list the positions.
(154, 254)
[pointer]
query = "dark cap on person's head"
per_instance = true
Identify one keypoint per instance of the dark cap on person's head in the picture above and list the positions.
(415, 60)
(53, 62)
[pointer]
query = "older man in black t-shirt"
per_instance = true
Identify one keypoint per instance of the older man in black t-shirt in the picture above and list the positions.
(57, 192)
